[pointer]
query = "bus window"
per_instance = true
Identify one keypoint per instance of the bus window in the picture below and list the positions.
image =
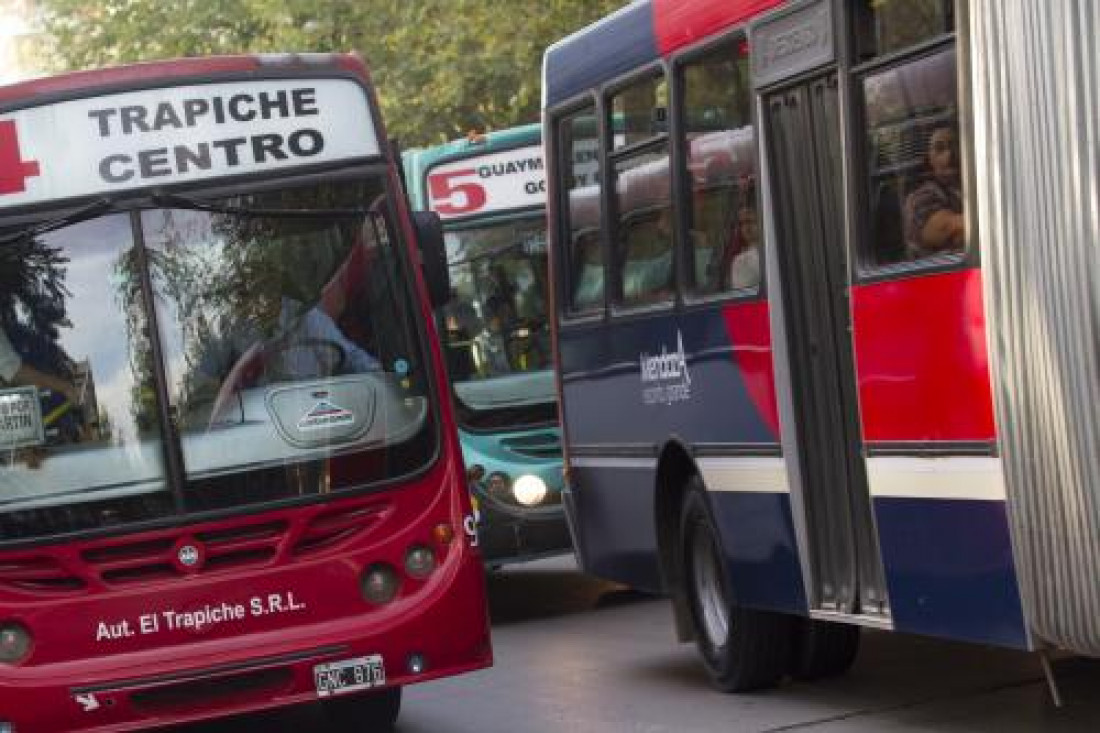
(914, 189)
(79, 414)
(579, 144)
(643, 235)
(887, 26)
(643, 251)
(261, 313)
(722, 252)
(640, 112)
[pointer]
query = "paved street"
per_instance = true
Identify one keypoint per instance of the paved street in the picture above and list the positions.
(578, 654)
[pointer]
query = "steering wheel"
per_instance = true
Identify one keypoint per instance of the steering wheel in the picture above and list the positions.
(274, 360)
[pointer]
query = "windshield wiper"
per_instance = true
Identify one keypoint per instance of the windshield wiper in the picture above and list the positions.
(91, 211)
(175, 201)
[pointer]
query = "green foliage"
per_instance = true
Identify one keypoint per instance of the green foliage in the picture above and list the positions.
(442, 67)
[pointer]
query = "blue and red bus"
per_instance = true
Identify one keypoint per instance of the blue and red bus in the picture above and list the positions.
(229, 474)
(825, 321)
(490, 192)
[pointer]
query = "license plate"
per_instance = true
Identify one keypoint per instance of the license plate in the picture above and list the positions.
(361, 673)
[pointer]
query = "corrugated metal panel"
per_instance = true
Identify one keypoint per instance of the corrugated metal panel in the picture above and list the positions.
(1036, 76)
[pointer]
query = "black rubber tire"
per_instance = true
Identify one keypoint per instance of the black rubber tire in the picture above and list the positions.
(365, 712)
(756, 649)
(822, 649)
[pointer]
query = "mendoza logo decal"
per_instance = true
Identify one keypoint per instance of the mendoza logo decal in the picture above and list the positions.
(14, 171)
(665, 377)
(325, 414)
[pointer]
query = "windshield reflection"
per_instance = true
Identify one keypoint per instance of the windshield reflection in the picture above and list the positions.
(283, 342)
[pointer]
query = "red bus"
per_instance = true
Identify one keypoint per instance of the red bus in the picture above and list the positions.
(229, 473)
(825, 321)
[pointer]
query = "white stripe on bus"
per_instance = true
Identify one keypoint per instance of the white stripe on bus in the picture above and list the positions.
(941, 477)
(748, 474)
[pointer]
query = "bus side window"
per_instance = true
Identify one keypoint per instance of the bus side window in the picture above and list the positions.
(578, 151)
(913, 183)
(643, 228)
(723, 248)
(643, 250)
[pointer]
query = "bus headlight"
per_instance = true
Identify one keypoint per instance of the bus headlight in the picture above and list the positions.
(419, 562)
(529, 489)
(379, 584)
(15, 643)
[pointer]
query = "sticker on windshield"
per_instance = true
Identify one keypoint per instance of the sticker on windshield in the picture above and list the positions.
(20, 418)
(326, 414)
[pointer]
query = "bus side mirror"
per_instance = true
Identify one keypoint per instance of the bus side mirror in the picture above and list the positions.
(433, 256)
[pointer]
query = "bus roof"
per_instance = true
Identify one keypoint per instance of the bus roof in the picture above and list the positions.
(640, 33)
(418, 161)
(36, 91)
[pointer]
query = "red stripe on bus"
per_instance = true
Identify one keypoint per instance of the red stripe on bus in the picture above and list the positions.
(748, 326)
(678, 24)
(922, 360)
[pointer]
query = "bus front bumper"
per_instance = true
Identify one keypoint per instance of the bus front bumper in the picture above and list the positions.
(508, 535)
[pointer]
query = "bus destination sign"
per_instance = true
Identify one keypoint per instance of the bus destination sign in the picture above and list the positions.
(155, 137)
(504, 181)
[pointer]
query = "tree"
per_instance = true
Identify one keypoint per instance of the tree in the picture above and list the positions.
(33, 302)
(443, 67)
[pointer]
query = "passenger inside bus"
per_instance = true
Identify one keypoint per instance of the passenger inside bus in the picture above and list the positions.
(934, 220)
(457, 322)
(587, 271)
(744, 267)
(647, 257)
(288, 332)
(496, 347)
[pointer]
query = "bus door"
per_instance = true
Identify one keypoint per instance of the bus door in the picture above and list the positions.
(799, 105)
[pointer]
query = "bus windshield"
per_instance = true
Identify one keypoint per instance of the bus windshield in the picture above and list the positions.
(203, 355)
(495, 330)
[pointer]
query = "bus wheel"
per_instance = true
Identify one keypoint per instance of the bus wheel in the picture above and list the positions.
(822, 649)
(742, 649)
(365, 713)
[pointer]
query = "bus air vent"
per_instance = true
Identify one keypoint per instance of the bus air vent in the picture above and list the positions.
(38, 574)
(332, 528)
(132, 562)
(536, 445)
(249, 545)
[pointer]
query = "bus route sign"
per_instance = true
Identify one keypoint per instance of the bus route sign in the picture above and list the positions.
(495, 182)
(155, 137)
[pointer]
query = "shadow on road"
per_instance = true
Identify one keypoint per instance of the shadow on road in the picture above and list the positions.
(534, 591)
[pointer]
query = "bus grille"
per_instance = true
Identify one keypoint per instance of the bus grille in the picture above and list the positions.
(39, 574)
(536, 445)
(152, 560)
(252, 544)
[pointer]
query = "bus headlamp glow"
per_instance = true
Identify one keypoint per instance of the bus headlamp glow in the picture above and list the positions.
(15, 643)
(379, 584)
(529, 489)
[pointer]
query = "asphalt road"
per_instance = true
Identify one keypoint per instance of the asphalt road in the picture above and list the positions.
(577, 654)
